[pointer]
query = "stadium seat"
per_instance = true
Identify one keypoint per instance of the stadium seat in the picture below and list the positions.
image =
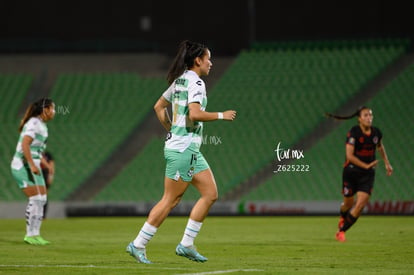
(13, 89)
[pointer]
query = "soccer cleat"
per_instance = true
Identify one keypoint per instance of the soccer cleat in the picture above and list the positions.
(138, 253)
(341, 222)
(190, 253)
(41, 241)
(31, 240)
(340, 236)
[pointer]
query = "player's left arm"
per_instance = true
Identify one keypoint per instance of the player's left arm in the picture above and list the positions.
(196, 114)
(383, 153)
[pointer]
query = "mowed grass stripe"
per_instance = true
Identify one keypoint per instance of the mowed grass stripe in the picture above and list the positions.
(259, 245)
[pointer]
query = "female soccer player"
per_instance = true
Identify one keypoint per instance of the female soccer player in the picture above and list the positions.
(359, 169)
(25, 165)
(184, 162)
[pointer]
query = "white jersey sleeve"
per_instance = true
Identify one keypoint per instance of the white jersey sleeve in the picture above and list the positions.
(168, 94)
(196, 91)
(31, 128)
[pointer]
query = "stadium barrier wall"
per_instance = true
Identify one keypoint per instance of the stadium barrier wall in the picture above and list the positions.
(231, 208)
(16, 210)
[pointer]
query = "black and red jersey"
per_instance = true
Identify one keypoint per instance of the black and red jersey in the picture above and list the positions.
(365, 146)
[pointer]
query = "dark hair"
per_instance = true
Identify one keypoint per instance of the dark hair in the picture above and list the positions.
(357, 113)
(188, 51)
(35, 109)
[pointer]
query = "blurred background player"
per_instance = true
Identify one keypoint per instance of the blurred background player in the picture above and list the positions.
(25, 165)
(358, 177)
(48, 170)
(184, 162)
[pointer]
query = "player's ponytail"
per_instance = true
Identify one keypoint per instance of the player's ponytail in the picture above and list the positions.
(188, 51)
(355, 114)
(35, 109)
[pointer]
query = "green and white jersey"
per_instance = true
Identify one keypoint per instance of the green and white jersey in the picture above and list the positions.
(36, 129)
(186, 89)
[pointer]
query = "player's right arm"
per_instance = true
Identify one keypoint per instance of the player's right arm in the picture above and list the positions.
(161, 111)
(350, 157)
(27, 140)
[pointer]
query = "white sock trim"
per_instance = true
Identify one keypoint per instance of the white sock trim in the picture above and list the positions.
(145, 235)
(191, 232)
(194, 224)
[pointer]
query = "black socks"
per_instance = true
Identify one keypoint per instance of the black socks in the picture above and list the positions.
(348, 222)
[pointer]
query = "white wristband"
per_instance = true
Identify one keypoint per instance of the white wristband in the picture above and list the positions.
(220, 115)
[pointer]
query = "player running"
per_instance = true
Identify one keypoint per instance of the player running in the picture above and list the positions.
(184, 162)
(362, 141)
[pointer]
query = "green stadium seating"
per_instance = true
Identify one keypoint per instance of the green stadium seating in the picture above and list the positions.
(95, 113)
(13, 88)
(141, 180)
(280, 91)
(280, 94)
(391, 108)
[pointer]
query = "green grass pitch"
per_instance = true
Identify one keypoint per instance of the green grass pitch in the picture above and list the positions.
(234, 245)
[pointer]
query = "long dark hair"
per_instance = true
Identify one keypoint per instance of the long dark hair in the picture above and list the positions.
(35, 109)
(188, 51)
(356, 113)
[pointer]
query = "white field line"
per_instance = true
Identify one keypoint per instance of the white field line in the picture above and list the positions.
(84, 266)
(222, 271)
(120, 267)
